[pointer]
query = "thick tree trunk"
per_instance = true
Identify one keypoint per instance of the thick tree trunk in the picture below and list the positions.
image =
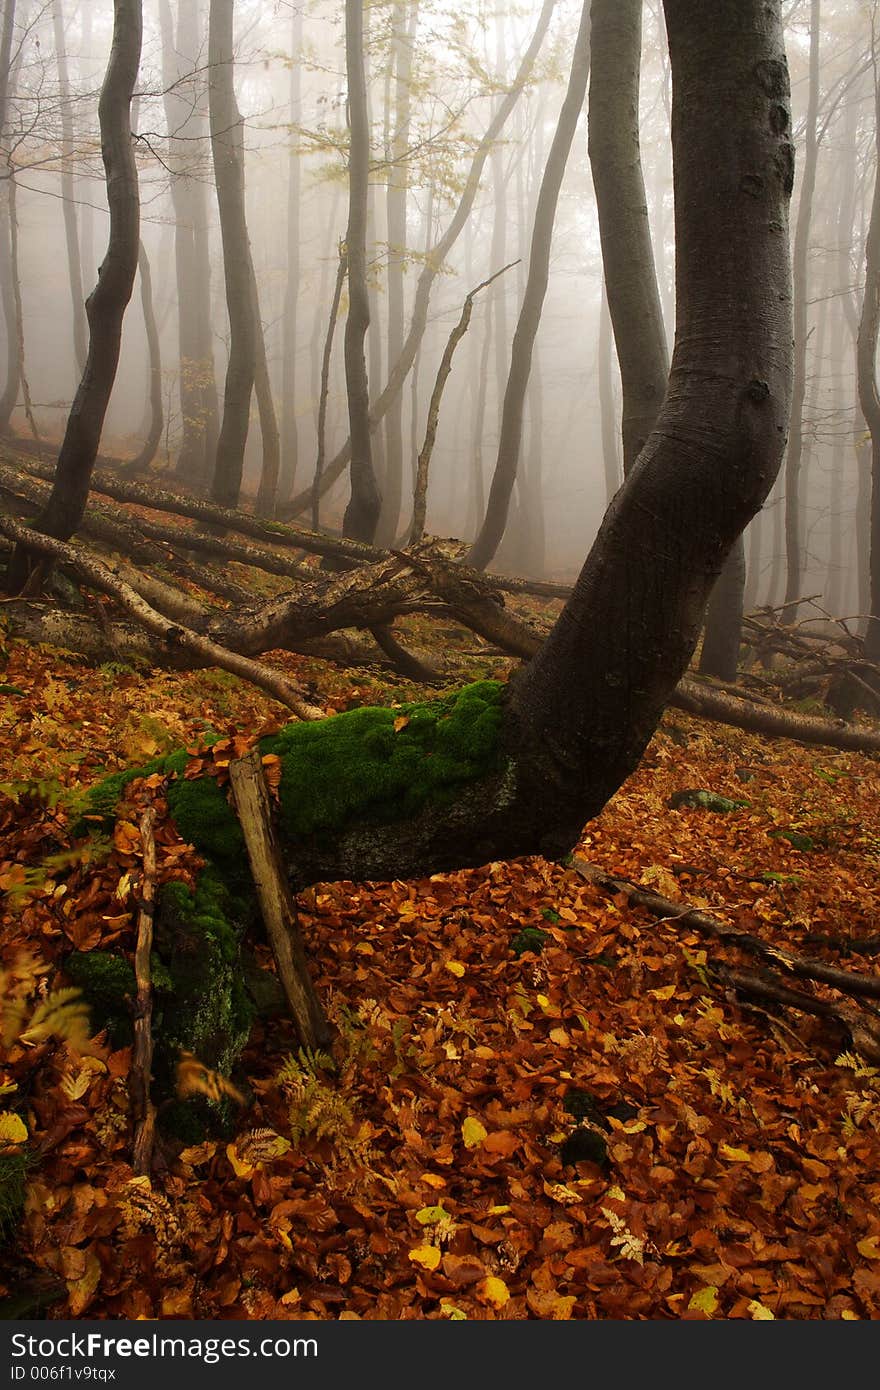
(495, 520)
(68, 202)
(106, 304)
(590, 699)
(362, 512)
(621, 203)
(227, 137)
(793, 530)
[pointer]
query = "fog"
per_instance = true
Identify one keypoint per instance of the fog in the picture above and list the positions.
(291, 87)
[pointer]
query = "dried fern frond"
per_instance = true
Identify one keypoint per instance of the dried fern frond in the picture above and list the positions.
(193, 1078)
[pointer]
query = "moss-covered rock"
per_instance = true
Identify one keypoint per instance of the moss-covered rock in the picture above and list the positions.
(107, 982)
(204, 817)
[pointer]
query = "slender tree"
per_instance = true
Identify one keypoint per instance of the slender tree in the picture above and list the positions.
(495, 520)
(106, 305)
(289, 432)
(622, 206)
(869, 394)
(362, 512)
(68, 200)
(793, 531)
(7, 294)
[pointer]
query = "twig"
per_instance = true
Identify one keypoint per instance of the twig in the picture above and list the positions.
(142, 1058)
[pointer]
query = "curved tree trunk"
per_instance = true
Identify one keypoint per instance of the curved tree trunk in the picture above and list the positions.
(107, 303)
(622, 206)
(227, 134)
(269, 435)
(793, 530)
(362, 512)
(719, 656)
(610, 434)
(68, 203)
(495, 520)
(590, 699)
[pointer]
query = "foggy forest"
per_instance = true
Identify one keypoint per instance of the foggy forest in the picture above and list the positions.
(439, 659)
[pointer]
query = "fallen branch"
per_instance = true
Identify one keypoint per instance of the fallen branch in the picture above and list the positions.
(141, 1077)
(276, 900)
(171, 634)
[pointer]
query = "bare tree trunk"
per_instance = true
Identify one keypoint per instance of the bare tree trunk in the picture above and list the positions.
(289, 433)
(719, 656)
(625, 234)
(184, 89)
(156, 412)
(403, 36)
(843, 412)
(362, 512)
(106, 304)
(271, 441)
(869, 395)
(341, 272)
(488, 540)
(227, 136)
(68, 202)
(793, 528)
(13, 359)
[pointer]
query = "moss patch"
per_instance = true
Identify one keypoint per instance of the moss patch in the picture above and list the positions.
(14, 1165)
(204, 817)
(381, 765)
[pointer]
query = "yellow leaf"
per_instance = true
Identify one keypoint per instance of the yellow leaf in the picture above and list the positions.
(429, 1216)
(449, 1310)
(734, 1155)
(849, 1316)
(493, 1292)
(428, 1256)
(560, 1037)
(472, 1132)
(82, 1289)
(433, 1179)
(869, 1247)
(664, 992)
(242, 1168)
(455, 968)
(13, 1129)
(705, 1300)
(401, 722)
(500, 1210)
(759, 1312)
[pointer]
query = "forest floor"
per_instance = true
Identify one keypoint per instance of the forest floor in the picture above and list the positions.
(742, 1173)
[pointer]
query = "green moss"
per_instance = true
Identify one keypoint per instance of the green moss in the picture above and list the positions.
(103, 798)
(205, 818)
(106, 979)
(529, 939)
(358, 766)
(208, 1012)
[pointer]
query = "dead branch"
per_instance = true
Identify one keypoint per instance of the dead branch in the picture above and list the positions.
(210, 652)
(276, 900)
(142, 1056)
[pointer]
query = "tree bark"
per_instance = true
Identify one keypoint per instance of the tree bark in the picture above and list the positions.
(624, 231)
(607, 412)
(270, 438)
(107, 303)
(341, 272)
(227, 136)
(793, 536)
(510, 441)
(362, 513)
(721, 640)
